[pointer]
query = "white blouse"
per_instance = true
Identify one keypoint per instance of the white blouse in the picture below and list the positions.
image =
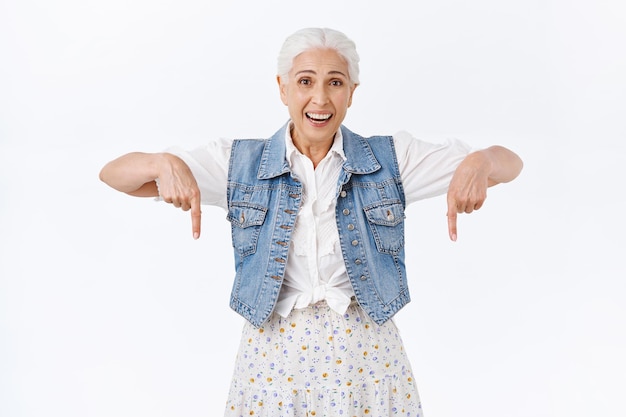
(315, 269)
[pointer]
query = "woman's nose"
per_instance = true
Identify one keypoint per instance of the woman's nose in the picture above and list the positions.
(320, 94)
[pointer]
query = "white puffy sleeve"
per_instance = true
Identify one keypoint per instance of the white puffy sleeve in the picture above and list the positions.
(209, 165)
(427, 168)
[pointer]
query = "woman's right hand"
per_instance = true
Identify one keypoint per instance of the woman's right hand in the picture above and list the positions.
(177, 186)
(137, 174)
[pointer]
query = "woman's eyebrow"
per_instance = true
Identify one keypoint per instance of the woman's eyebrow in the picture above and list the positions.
(334, 72)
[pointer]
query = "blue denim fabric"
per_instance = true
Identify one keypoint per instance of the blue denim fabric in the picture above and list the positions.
(264, 199)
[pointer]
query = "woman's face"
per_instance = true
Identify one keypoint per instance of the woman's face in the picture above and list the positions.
(318, 94)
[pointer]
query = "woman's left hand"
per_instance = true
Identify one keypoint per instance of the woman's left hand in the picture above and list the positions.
(468, 188)
(477, 172)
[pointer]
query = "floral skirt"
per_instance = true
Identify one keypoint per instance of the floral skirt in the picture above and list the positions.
(316, 362)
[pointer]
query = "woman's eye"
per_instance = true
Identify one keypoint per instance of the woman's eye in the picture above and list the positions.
(336, 83)
(305, 81)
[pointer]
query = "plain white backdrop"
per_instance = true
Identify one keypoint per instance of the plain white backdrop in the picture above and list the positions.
(108, 307)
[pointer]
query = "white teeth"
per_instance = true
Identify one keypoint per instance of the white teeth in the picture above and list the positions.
(315, 116)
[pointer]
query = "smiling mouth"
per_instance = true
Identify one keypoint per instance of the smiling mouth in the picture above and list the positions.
(319, 117)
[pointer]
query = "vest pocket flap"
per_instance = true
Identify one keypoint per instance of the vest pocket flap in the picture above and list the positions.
(245, 214)
(387, 213)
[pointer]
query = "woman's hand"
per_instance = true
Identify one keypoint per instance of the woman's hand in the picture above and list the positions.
(178, 186)
(468, 189)
(478, 171)
(137, 174)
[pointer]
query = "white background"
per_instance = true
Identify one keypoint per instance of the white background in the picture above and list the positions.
(109, 308)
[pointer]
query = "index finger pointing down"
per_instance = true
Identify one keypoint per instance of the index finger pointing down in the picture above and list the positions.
(196, 215)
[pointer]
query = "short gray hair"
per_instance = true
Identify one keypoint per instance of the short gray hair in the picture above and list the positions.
(318, 38)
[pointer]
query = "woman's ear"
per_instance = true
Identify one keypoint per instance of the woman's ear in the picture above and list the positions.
(282, 88)
(351, 93)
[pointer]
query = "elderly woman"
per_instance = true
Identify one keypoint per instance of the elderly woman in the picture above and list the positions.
(317, 216)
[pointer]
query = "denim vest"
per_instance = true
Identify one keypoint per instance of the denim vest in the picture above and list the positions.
(264, 199)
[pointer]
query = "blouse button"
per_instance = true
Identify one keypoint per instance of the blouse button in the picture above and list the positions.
(346, 211)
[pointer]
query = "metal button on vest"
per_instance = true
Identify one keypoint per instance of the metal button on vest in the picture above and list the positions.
(343, 193)
(346, 211)
(363, 277)
(355, 242)
(350, 226)
(357, 261)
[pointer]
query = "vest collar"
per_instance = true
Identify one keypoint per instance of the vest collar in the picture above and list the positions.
(359, 156)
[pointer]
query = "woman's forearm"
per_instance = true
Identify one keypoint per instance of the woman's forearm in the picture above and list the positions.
(134, 173)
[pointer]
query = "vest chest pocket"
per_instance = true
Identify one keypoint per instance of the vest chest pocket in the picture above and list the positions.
(386, 220)
(246, 220)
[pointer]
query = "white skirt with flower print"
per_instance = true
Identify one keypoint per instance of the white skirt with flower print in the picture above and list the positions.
(316, 362)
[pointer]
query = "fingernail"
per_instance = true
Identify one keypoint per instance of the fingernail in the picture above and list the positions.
(196, 235)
